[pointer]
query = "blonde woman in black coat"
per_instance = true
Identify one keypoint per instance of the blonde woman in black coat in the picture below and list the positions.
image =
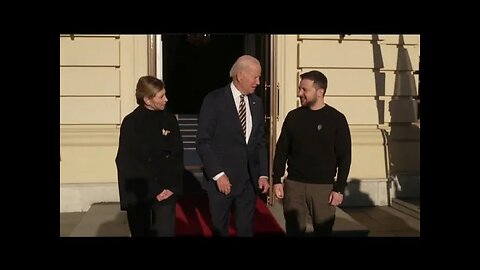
(150, 162)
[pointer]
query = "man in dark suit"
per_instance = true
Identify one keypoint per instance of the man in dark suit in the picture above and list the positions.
(231, 144)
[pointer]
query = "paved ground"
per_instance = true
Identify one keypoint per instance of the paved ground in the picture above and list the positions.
(382, 221)
(68, 222)
(385, 221)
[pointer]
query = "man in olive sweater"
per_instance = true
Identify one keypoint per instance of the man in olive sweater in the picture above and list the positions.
(316, 144)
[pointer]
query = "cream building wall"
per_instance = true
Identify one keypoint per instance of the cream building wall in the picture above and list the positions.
(98, 74)
(371, 81)
(370, 77)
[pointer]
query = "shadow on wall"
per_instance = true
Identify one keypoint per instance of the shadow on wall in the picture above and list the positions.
(354, 196)
(402, 136)
(379, 78)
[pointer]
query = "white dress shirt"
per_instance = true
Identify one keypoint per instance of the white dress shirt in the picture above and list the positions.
(236, 98)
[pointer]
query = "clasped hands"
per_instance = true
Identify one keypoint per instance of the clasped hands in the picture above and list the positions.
(165, 194)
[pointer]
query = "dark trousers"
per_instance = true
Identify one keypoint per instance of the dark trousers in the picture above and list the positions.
(220, 205)
(147, 219)
(303, 200)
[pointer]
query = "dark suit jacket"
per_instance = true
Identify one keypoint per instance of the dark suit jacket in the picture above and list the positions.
(220, 142)
(148, 159)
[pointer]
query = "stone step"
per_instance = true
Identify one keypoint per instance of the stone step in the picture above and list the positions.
(106, 220)
(191, 157)
(103, 219)
(409, 206)
(344, 226)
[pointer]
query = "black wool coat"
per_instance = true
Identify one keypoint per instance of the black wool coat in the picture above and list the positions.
(149, 157)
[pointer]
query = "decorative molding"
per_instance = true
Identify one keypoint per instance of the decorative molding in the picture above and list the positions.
(98, 136)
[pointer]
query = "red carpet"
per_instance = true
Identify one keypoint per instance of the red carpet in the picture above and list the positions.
(193, 218)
